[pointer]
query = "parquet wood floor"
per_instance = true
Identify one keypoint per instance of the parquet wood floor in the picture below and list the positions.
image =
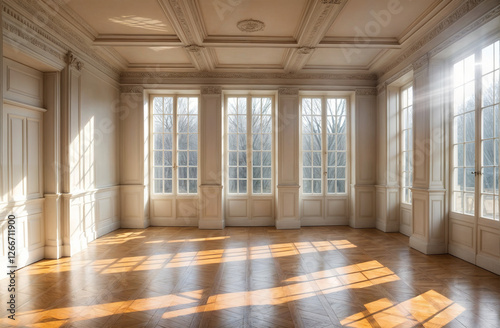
(254, 277)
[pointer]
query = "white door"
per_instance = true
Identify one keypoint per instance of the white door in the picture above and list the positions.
(474, 217)
(249, 161)
(324, 161)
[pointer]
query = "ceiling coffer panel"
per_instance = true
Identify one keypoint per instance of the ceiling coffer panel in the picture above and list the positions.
(123, 16)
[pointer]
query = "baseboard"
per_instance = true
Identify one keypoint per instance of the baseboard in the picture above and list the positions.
(464, 253)
(288, 224)
(318, 222)
(134, 224)
(108, 228)
(385, 226)
(427, 248)
(174, 222)
(211, 224)
(53, 252)
(489, 263)
(362, 224)
(405, 230)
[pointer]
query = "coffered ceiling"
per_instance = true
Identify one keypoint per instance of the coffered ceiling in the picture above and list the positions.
(288, 36)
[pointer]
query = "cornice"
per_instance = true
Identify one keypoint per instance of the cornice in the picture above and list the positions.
(466, 30)
(366, 92)
(73, 61)
(145, 77)
(381, 88)
(63, 36)
(211, 90)
(137, 89)
(288, 91)
(27, 31)
(432, 34)
(421, 63)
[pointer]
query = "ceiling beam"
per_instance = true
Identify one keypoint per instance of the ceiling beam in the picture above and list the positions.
(132, 40)
(152, 40)
(318, 17)
(185, 19)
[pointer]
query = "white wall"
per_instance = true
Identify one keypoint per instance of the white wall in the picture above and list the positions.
(22, 162)
(90, 176)
(99, 117)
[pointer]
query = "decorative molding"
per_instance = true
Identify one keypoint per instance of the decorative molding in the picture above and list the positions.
(312, 30)
(144, 76)
(466, 30)
(180, 20)
(401, 73)
(250, 25)
(366, 92)
(421, 63)
(433, 33)
(137, 89)
(305, 50)
(194, 48)
(21, 33)
(51, 34)
(288, 91)
(72, 61)
(211, 90)
(382, 87)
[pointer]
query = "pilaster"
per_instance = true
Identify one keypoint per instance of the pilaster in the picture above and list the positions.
(429, 194)
(73, 235)
(52, 166)
(387, 199)
(211, 207)
(363, 158)
(288, 215)
(134, 141)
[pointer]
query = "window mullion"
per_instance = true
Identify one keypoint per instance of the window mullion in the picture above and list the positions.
(478, 135)
(174, 147)
(249, 147)
(324, 148)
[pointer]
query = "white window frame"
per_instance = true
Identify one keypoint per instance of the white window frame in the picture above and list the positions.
(249, 149)
(175, 137)
(477, 217)
(324, 149)
(402, 151)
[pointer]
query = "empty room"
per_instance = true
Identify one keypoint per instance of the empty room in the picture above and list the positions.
(250, 163)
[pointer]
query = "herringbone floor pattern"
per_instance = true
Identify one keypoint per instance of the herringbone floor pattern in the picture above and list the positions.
(254, 277)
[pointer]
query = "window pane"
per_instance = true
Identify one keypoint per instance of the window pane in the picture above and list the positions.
(262, 132)
(406, 157)
(490, 131)
(187, 144)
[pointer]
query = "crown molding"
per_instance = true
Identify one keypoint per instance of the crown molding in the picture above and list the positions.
(52, 34)
(223, 78)
(421, 63)
(19, 37)
(288, 91)
(136, 89)
(495, 12)
(211, 90)
(367, 92)
(73, 61)
(434, 32)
